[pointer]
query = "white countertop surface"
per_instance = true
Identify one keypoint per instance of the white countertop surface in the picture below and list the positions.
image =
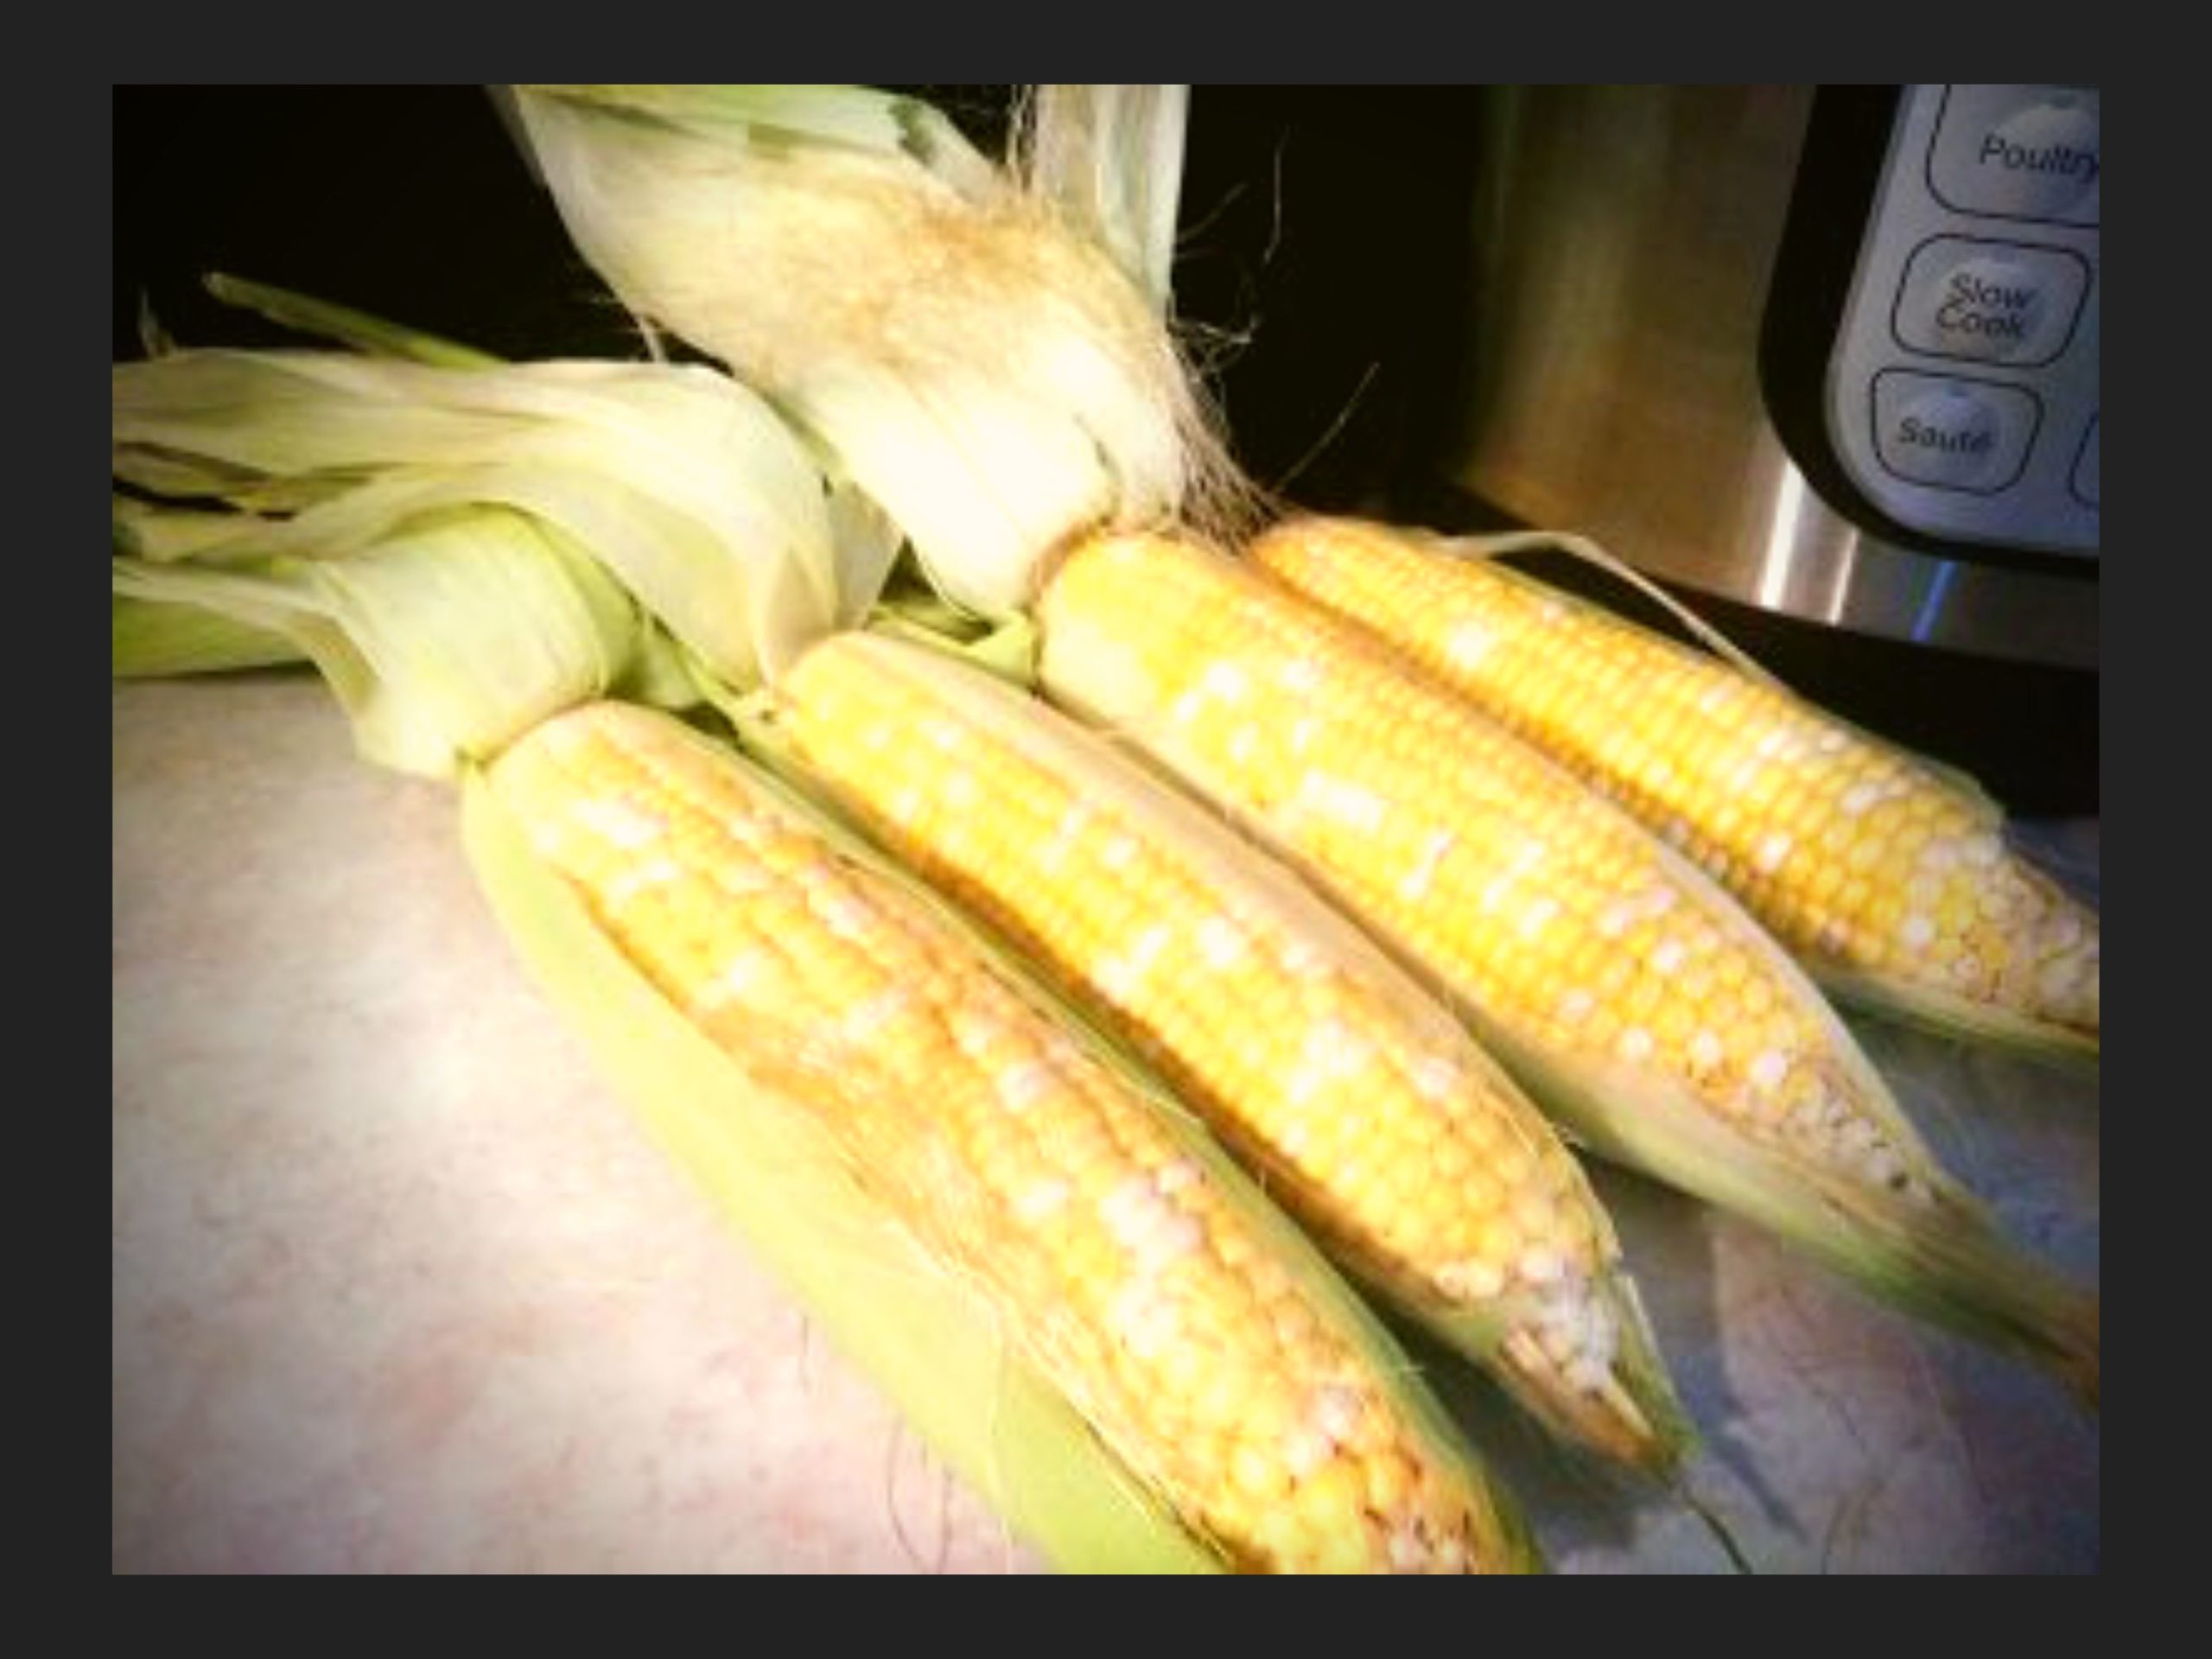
(398, 1287)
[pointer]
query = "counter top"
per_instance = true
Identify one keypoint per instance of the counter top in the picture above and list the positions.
(400, 1287)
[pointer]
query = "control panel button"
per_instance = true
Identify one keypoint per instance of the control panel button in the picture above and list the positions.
(2084, 482)
(1962, 384)
(2018, 152)
(1990, 301)
(1951, 432)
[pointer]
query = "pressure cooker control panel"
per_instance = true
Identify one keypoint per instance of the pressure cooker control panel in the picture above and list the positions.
(1963, 392)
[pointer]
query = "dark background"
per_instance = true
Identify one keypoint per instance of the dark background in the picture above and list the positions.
(1323, 251)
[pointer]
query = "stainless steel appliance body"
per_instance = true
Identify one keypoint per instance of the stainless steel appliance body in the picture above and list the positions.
(1833, 355)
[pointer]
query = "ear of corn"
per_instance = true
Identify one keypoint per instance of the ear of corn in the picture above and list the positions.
(449, 637)
(1363, 1106)
(1890, 880)
(1119, 1251)
(1637, 999)
(935, 1350)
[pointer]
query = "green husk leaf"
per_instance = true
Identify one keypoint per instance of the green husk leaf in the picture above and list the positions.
(161, 534)
(676, 571)
(153, 338)
(659, 674)
(1007, 652)
(867, 543)
(442, 642)
(149, 640)
(1928, 1009)
(1639, 1371)
(709, 510)
(1947, 1261)
(982, 370)
(982, 471)
(293, 413)
(359, 329)
(917, 1332)
(183, 477)
(856, 118)
(909, 595)
(1111, 158)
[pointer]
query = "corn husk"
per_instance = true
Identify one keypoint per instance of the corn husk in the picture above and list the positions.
(993, 379)
(443, 641)
(153, 641)
(373, 336)
(1111, 159)
(678, 481)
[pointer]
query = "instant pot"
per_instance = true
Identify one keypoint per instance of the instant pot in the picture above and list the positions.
(1832, 354)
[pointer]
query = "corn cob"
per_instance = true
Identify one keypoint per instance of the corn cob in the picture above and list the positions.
(1633, 998)
(1365, 1109)
(1192, 1328)
(1875, 871)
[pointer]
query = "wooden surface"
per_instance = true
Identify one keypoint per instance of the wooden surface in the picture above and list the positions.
(398, 1287)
